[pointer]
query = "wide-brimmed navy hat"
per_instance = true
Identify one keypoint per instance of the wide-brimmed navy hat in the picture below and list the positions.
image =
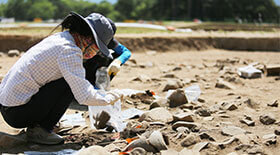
(103, 30)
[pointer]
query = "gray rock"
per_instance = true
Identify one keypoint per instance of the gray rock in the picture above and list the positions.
(191, 139)
(232, 131)
(177, 98)
(267, 119)
(157, 114)
(203, 112)
(188, 117)
(172, 84)
(13, 53)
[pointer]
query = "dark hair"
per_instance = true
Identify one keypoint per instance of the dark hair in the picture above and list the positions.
(74, 24)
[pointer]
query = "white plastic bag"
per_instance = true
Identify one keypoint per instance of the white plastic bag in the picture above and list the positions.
(192, 93)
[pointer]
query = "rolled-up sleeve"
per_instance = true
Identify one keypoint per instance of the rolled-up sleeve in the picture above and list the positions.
(70, 64)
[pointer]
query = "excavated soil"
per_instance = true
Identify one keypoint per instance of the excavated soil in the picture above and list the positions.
(191, 61)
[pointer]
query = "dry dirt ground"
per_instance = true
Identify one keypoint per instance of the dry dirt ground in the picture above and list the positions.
(251, 96)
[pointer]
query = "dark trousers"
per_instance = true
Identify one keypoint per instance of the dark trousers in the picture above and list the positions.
(45, 108)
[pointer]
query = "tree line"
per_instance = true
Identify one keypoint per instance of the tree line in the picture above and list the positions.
(206, 10)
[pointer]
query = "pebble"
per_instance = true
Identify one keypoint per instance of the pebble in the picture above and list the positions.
(172, 84)
(191, 139)
(187, 117)
(177, 98)
(13, 53)
(157, 114)
(267, 119)
(232, 130)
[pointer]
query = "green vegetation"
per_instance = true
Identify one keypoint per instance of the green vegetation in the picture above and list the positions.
(251, 11)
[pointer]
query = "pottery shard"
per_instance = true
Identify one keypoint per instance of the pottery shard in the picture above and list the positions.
(189, 125)
(177, 98)
(267, 119)
(232, 131)
(187, 117)
(157, 115)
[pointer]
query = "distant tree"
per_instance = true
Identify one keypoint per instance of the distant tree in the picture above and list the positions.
(41, 9)
(16, 9)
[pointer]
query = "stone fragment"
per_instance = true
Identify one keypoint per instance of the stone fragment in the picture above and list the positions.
(172, 84)
(225, 143)
(228, 105)
(203, 112)
(232, 131)
(159, 102)
(270, 139)
(142, 78)
(151, 52)
(96, 149)
(277, 132)
(248, 122)
(186, 151)
(184, 130)
(191, 139)
(189, 125)
(2, 54)
(200, 146)
(177, 98)
(273, 104)
(267, 119)
(208, 118)
(157, 114)
(169, 75)
(168, 152)
(188, 117)
(146, 65)
(201, 100)
(138, 151)
(232, 153)
(225, 85)
(13, 53)
(273, 70)
(205, 135)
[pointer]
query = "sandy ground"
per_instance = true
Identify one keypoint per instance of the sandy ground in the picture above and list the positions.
(199, 67)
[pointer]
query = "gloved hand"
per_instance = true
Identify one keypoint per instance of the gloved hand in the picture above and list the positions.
(114, 67)
(113, 96)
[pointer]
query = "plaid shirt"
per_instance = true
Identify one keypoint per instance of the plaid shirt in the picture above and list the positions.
(55, 57)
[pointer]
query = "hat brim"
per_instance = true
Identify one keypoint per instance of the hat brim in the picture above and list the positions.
(102, 47)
